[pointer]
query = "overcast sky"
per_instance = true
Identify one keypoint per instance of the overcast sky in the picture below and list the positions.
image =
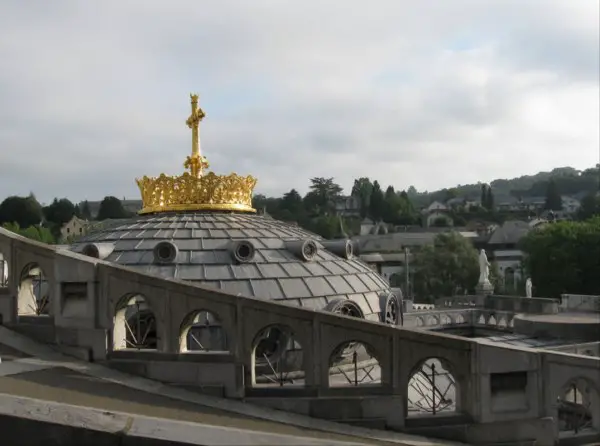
(429, 93)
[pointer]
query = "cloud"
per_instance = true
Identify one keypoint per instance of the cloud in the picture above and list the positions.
(430, 93)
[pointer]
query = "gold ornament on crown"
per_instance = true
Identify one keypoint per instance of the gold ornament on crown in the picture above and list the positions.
(196, 190)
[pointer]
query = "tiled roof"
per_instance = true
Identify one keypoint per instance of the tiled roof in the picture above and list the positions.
(510, 232)
(203, 242)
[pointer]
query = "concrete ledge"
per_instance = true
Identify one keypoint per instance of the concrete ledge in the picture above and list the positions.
(539, 432)
(86, 423)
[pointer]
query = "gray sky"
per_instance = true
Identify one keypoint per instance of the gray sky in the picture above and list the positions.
(430, 93)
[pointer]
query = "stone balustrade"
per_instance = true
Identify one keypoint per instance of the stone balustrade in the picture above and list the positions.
(578, 302)
(499, 394)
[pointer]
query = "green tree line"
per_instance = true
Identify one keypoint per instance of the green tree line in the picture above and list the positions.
(27, 217)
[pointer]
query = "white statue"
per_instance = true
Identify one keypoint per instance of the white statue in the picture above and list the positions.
(484, 268)
(528, 287)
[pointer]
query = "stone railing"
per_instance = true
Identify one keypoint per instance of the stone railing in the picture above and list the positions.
(496, 389)
(586, 349)
(459, 301)
(519, 304)
(579, 302)
(457, 317)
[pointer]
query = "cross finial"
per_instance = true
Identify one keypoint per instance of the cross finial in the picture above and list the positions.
(196, 162)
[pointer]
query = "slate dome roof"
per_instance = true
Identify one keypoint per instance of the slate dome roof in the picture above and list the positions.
(250, 255)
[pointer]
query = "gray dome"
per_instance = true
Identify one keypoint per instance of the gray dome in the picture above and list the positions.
(250, 255)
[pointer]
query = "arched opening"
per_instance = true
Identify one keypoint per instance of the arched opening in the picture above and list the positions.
(354, 364)
(578, 409)
(134, 325)
(492, 320)
(277, 358)
(481, 320)
(420, 322)
(432, 389)
(502, 322)
(3, 271)
(34, 292)
(202, 332)
(445, 319)
(433, 321)
(460, 319)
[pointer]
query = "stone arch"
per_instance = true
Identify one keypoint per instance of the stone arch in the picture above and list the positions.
(460, 319)
(578, 407)
(134, 324)
(420, 322)
(433, 320)
(354, 363)
(34, 292)
(492, 320)
(202, 331)
(445, 319)
(511, 321)
(502, 322)
(277, 358)
(3, 271)
(481, 320)
(432, 388)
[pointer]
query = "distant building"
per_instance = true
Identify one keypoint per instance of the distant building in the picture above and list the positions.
(435, 212)
(76, 227)
(504, 250)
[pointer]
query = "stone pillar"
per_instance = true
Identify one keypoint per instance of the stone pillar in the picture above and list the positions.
(484, 289)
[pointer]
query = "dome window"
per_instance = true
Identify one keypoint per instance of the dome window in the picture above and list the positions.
(303, 249)
(98, 250)
(345, 307)
(391, 309)
(341, 248)
(165, 252)
(243, 251)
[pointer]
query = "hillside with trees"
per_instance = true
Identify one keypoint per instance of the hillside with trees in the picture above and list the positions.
(569, 181)
(318, 210)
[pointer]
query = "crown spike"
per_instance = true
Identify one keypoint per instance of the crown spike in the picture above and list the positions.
(196, 190)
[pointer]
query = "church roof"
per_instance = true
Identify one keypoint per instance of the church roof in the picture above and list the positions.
(203, 242)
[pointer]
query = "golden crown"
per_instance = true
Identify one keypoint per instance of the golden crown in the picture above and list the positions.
(196, 190)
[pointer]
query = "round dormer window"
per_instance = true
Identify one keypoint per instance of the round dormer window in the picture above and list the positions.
(243, 251)
(165, 252)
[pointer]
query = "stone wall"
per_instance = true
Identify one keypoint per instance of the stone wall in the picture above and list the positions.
(495, 386)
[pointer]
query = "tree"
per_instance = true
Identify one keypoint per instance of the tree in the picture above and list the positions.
(111, 207)
(362, 189)
(489, 199)
(484, 196)
(86, 213)
(376, 202)
(392, 206)
(323, 193)
(590, 206)
(291, 207)
(59, 212)
(564, 257)
(447, 267)
(25, 211)
(553, 198)
(37, 233)
(450, 194)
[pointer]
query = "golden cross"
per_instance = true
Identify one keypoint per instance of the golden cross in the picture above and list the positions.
(193, 122)
(196, 162)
